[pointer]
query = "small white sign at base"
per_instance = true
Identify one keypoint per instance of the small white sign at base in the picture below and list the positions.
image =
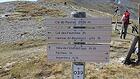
(78, 71)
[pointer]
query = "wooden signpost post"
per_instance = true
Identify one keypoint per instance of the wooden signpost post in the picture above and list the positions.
(139, 36)
(76, 48)
(78, 66)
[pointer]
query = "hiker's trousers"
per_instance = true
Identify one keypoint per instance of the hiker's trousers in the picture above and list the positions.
(124, 30)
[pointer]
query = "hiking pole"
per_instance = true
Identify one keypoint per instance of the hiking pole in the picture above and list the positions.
(116, 21)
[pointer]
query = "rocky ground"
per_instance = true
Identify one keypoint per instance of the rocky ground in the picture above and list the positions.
(26, 25)
(23, 45)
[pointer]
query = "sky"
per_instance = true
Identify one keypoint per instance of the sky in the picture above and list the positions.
(15, 0)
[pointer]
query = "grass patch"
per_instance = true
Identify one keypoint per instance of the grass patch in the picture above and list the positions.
(21, 45)
(1, 11)
(38, 67)
(35, 10)
(27, 69)
(20, 50)
(114, 33)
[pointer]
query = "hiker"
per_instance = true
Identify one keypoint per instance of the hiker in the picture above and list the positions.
(125, 23)
(116, 11)
(65, 3)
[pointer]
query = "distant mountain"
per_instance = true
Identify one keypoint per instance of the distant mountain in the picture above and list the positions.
(110, 5)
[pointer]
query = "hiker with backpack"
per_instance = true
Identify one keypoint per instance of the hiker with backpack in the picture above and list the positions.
(125, 23)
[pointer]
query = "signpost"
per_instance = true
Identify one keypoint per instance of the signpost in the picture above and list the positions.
(139, 36)
(78, 70)
(102, 35)
(79, 30)
(78, 53)
(77, 21)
